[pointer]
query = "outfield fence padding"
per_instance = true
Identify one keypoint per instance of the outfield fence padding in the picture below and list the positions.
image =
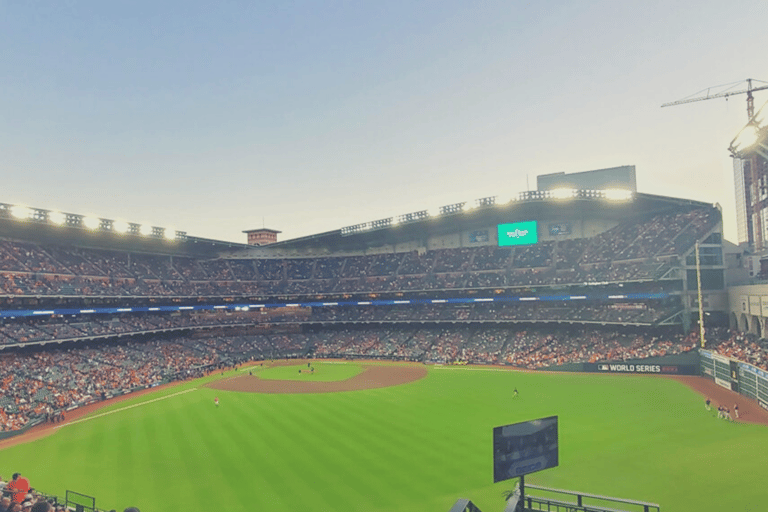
(744, 378)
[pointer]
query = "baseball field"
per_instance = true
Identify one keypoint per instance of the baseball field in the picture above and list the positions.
(284, 440)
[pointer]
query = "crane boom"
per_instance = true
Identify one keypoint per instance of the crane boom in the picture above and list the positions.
(748, 91)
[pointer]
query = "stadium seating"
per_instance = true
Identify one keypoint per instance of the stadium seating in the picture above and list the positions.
(636, 250)
(111, 354)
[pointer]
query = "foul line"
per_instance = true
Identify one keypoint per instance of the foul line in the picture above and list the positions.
(125, 408)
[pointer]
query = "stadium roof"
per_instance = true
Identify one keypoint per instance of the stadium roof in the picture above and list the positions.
(41, 232)
(419, 226)
(531, 206)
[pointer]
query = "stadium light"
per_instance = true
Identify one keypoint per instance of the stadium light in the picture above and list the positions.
(747, 137)
(21, 212)
(120, 226)
(170, 234)
(761, 118)
(486, 201)
(145, 230)
(617, 194)
(91, 222)
(57, 218)
(563, 193)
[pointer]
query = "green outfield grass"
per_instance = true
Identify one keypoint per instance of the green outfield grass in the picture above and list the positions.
(410, 448)
(324, 372)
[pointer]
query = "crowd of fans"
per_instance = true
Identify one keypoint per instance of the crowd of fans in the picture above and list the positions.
(740, 345)
(635, 250)
(524, 346)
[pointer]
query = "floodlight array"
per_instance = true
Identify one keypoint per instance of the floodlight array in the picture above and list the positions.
(22, 213)
(357, 228)
(563, 194)
(558, 194)
(413, 217)
(381, 223)
(451, 208)
(485, 201)
(753, 138)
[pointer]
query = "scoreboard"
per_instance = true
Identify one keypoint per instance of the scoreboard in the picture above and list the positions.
(518, 233)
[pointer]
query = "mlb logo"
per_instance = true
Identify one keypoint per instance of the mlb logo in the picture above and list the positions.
(603, 367)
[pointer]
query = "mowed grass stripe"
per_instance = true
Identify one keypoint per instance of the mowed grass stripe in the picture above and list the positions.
(300, 436)
(409, 448)
(331, 465)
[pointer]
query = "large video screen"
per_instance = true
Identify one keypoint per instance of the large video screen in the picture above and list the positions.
(518, 233)
(523, 448)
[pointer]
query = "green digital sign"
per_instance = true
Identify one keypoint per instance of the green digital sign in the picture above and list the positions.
(518, 233)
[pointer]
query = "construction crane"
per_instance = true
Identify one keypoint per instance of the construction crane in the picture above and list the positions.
(707, 94)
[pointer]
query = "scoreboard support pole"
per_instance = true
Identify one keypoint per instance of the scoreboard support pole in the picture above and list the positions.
(522, 489)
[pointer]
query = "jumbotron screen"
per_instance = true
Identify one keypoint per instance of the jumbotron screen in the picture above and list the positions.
(518, 233)
(523, 448)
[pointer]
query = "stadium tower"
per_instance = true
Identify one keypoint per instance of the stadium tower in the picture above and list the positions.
(749, 150)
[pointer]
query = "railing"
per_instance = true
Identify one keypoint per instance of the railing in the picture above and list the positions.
(560, 504)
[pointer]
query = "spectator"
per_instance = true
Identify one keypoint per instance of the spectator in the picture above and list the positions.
(18, 487)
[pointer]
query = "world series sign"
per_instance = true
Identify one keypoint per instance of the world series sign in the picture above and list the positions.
(629, 368)
(673, 369)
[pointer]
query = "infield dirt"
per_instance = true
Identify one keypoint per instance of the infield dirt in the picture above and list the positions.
(372, 376)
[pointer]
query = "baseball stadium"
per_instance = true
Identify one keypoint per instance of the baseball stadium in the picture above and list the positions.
(368, 368)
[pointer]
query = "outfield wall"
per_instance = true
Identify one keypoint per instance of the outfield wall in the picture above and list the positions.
(744, 378)
(678, 364)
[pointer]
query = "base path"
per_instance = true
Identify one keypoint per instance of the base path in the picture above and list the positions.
(372, 376)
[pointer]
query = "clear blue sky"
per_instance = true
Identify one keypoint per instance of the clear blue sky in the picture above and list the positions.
(211, 116)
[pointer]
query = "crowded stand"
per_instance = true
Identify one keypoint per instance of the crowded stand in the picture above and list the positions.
(631, 251)
(742, 346)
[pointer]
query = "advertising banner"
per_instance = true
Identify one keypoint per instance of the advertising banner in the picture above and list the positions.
(665, 369)
(723, 383)
(754, 305)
